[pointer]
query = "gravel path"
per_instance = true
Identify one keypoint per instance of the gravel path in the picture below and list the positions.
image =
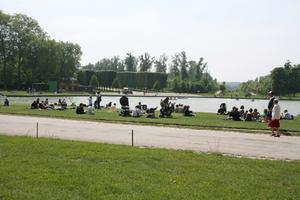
(232, 143)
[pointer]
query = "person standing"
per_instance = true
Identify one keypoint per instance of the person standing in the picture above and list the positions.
(274, 123)
(270, 105)
(98, 100)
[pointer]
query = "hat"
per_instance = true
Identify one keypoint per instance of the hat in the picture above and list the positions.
(270, 92)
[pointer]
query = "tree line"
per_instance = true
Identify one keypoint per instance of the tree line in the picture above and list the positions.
(283, 80)
(183, 75)
(28, 55)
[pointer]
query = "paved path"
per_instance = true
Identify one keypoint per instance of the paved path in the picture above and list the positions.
(233, 143)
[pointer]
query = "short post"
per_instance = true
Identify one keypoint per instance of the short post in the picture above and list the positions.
(132, 137)
(37, 130)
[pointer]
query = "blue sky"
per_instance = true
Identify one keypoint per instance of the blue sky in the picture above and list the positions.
(240, 39)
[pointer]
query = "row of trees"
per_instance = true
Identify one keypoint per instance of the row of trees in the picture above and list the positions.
(28, 55)
(282, 81)
(183, 75)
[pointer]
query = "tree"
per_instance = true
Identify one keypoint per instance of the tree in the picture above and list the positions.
(223, 87)
(94, 81)
(183, 66)
(130, 63)
(161, 64)
(5, 42)
(25, 29)
(156, 86)
(174, 71)
(115, 83)
(146, 62)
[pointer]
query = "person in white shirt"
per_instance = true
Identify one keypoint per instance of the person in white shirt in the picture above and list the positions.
(274, 123)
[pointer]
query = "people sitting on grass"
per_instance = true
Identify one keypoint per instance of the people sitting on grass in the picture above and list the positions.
(242, 111)
(249, 115)
(34, 105)
(187, 112)
(6, 102)
(80, 109)
(167, 108)
(264, 116)
(287, 115)
(114, 108)
(222, 110)
(125, 111)
(108, 105)
(90, 110)
(151, 112)
(256, 115)
(234, 114)
(179, 108)
(137, 112)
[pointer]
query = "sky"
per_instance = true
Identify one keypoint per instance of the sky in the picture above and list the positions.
(239, 39)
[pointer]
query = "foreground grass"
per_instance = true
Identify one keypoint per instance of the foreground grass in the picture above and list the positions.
(202, 120)
(55, 169)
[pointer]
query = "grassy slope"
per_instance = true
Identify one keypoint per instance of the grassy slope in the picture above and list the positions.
(201, 120)
(55, 169)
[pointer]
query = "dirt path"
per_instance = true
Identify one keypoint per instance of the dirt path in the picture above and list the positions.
(233, 143)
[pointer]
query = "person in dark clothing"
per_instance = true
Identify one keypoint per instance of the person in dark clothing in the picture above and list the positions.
(125, 111)
(79, 109)
(6, 102)
(34, 105)
(98, 100)
(270, 105)
(236, 116)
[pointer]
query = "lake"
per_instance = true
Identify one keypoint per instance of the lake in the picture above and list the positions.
(196, 104)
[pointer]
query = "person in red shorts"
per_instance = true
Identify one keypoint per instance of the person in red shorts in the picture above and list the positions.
(274, 123)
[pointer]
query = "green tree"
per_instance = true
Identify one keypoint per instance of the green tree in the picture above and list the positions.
(156, 86)
(116, 83)
(223, 87)
(94, 81)
(130, 62)
(174, 70)
(183, 66)
(161, 64)
(146, 62)
(25, 29)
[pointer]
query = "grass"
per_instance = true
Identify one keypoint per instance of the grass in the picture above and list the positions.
(41, 94)
(202, 120)
(56, 169)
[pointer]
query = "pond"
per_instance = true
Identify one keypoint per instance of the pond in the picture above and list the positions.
(196, 104)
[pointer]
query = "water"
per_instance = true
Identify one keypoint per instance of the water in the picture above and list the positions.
(196, 104)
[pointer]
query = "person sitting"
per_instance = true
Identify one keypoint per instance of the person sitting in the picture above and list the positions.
(90, 110)
(264, 116)
(256, 115)
(42, 105)
(108, 105)
(34, 105)
(222, 110)
(151, 112)
(46, 101)
(249, 115)
(124, 106)
(287, 115)
(137, 112)
(6, 102)
(187, 111)
(114, 108)
(64, 104)
(236, 116)
(242, 111)
(80, 109)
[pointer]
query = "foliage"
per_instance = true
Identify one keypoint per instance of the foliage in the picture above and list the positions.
(146, 62)
(115, 83)
(156, 86)
(94, 81)
(29, 56)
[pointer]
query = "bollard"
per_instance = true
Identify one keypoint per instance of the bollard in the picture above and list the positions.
(37, 130)
(132, 137)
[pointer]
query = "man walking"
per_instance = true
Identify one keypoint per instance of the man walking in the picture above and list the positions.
(274, 123)
(98, 100)
(270, 105)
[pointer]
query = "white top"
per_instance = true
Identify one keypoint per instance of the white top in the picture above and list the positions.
(276, 112)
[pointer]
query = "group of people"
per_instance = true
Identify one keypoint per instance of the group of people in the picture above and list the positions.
(60, 105)
(242, 114)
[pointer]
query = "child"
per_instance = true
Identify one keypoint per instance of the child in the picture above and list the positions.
(274, 123)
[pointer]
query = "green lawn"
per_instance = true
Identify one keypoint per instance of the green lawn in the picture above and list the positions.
(202, 120)
(55, 169)
(41, 94)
